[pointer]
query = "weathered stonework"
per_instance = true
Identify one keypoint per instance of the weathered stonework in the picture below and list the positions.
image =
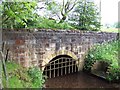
(38, 48)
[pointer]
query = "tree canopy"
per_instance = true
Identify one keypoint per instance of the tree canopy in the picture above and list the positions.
(85, 16)
(82, 14)
(18, 14)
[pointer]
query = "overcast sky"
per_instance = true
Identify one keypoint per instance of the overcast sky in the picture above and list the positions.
(109, 11)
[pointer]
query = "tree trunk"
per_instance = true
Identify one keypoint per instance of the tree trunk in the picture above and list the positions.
(63, 19)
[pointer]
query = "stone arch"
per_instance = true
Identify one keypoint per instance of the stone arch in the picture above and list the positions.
(100, 66)
(55, 54)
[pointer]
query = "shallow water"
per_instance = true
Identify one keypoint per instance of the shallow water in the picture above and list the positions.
(79, 80)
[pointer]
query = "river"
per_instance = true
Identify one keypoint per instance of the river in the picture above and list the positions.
(79, 80)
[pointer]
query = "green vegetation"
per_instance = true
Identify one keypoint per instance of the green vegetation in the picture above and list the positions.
(87, 17)
(115, 30)
(36, 76)
(19, 77)
(52, 24)
(108, 52)
(17, 15)
(60, 9)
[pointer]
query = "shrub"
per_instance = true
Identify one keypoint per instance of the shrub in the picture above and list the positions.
(107, 52)
(113, 74)
(19, 77)
(37, 78)
(44, 23)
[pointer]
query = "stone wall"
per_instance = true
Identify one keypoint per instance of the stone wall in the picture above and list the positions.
(38, 48)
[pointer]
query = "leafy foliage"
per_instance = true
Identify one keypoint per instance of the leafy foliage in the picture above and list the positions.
(107, 52)
(85, 16)
(113, 74)
(24, 15)
(19, 77)
(36, 76)
(18, 14)
(52, 24)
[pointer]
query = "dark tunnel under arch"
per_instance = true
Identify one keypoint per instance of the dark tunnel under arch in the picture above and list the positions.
(60, 65)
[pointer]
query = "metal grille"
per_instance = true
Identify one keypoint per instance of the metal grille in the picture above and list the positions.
(61, 65)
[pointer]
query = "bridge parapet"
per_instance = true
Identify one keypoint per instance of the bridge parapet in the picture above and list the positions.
(36, 48)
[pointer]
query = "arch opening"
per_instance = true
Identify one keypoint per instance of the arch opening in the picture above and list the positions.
(100, 68)
(60, 65)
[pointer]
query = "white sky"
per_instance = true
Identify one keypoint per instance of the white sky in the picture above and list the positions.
(109, 11)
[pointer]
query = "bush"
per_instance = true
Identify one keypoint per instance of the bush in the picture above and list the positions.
(19, 77)
(113, 74)
(37, 78)
(107, 52)
(44, 23)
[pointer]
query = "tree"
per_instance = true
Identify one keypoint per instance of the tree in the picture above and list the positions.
(18, 14)
(117, 25)
(86, 16)
(66, 8)
(60, 9)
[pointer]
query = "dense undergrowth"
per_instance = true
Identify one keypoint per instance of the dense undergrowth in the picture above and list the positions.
(19, 77)
(107, 52)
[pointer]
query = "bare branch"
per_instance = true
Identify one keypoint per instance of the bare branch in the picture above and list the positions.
(72, 6)
(58, 16)
(67, 6)
(62, 12)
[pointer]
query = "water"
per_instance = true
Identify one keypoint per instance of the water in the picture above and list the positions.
(79, 80)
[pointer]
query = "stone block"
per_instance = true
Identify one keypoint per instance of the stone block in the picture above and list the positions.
(19, 42)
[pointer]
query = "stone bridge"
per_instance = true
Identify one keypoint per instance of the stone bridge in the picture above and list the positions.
(40, 47)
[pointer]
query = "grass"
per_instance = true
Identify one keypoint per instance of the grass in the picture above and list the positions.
(115, 30)
(19, 77)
